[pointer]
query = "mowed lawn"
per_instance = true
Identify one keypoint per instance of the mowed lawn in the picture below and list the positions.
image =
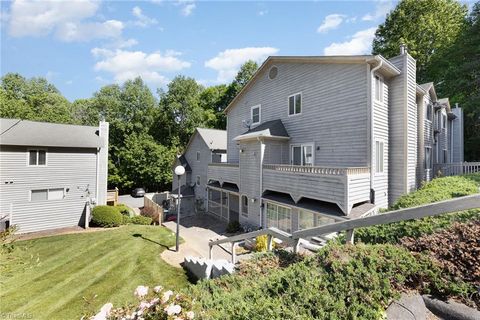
(49, 278)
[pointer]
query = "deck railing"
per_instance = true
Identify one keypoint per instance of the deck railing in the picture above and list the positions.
(112, 196)
(339, 171)
(223, 164)
(458, 168)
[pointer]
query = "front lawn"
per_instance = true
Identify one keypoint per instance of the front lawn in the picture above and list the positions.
(58, 277)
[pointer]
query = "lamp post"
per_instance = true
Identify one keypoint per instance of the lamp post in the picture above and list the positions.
(179, 171)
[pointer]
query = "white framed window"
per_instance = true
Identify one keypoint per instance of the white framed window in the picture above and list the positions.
(47, 194)
(198, 155)
(244, 205)
(428, 158)
(255, 114)
(295, 104)
(197, 182)
(309, 219)
(37, 157)
(444, 120)
(302, 154)
(445, 155)
(428, 112)
(379, 156)
(279, 217)
(378, 88)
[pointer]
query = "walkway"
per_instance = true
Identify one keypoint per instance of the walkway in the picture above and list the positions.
(196, 231)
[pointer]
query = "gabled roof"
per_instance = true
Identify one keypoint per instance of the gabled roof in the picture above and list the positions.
(430, 88)
(446, 103)
(271, 129)
(214, 138)
(387, 68)
(43, 134)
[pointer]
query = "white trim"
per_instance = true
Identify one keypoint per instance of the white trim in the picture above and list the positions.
(379, 173)
(259, 106)
(295, 104)
(48, 193)
(37, 149)
(301, 145)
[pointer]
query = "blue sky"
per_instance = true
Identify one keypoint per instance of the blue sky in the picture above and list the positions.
(82, 45)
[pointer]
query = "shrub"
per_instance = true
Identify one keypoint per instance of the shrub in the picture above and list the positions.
(340, 282)
(126, 219)
(261, 243)
(106, 217)
(234, 226)
(124, 209)
(141, 220)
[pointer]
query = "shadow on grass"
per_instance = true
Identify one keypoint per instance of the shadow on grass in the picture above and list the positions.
(139, 235)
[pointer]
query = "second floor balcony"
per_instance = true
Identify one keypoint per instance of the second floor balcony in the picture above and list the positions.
(224, 172)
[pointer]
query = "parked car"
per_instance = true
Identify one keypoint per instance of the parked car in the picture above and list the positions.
(138, 192)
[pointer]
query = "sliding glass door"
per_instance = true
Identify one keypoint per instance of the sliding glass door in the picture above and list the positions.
(302, 155)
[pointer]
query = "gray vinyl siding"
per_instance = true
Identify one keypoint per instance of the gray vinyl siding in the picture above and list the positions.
(276, 152)
(250, 180)
(403, 129)
(334, 110)
(380, 133)
(70, 168)
(457, 135)
(222, 172)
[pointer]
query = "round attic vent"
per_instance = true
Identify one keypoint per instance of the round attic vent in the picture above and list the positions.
(272, 74)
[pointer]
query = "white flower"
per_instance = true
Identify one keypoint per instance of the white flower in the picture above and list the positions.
(173, 309)
(154, 301)
(166, 296)
(190, 315)
(157, 289)
(104, 312)
(141, 291)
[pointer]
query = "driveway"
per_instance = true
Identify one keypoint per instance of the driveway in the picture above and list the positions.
(130, 201)
(196, 231)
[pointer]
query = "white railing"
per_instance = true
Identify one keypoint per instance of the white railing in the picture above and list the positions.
(454, 169)
(223, 164)
(317, 170)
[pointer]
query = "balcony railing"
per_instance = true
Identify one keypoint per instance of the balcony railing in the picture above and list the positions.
(223, 172)
(343, 186)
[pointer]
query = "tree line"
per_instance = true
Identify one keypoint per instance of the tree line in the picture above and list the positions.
(147, 130)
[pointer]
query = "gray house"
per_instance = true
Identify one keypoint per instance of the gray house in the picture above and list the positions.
(49, 172)
(313, 140)
(205, 146)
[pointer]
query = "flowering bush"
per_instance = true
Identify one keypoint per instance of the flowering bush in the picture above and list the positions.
(155, 304)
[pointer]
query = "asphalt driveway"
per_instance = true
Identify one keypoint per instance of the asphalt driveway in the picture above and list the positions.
(130, 201)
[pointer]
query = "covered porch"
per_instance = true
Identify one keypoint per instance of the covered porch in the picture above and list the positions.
(223, 200)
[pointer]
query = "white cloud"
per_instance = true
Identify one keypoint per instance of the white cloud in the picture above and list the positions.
(228, 62)
(72, 31)
(187, 7)
(142, 20)
(262, 12)
(125, 65)
(381, 9)
(62, 18)
(332, 21)
(359, 43)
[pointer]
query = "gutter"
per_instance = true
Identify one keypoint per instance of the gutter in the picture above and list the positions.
(372, 138)
(262, 151)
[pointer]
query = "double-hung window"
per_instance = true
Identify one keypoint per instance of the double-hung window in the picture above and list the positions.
(255, 114)
(295, 104)
(379, 156)
(37, 157)
(428, 112)
(378, 88)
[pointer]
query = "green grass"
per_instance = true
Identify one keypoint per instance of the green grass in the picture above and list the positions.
(50, 278)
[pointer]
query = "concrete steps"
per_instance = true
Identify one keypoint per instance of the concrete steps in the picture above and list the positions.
(203, 268)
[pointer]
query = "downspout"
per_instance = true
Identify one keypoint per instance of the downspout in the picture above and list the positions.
(372, 138)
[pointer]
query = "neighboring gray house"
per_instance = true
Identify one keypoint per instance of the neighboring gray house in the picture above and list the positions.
(205, 146)
(312, 140)
(49, 172)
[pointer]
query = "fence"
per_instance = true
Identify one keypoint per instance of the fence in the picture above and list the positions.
(453, 169)
(112, 196)
(153, 209)
(429, 210)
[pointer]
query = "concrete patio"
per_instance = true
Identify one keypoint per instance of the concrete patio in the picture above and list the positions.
(196, 231)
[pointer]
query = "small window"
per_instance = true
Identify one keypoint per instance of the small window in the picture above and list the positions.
(272, 74)
(56, 194)
(295, 104)
(47, 194)
(379, 156)
(428, 112)
(428, 158)
(37, 157)
(198, 180)
(39, 195)
(378, 88)
(445, 155)
(255, 114)
(198, 155)
(444, 121)
(245, 206)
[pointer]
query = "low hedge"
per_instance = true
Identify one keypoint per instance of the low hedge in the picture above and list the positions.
(340, 282)
(141, 220)
(106, 217)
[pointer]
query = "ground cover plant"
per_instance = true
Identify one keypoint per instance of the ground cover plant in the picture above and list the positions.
(62, 277)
